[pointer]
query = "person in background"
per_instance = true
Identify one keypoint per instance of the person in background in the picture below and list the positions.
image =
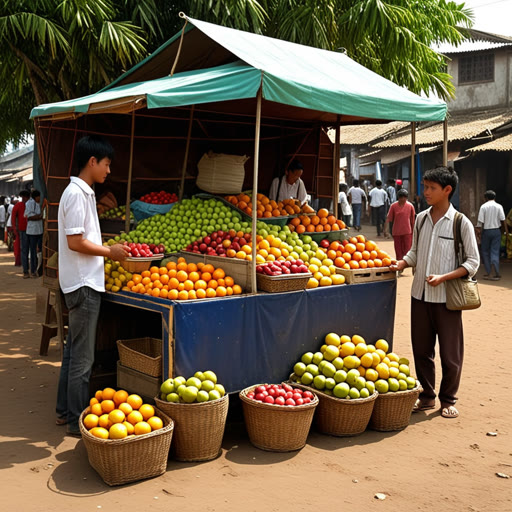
(344, 205)
(81, 275)
(357, 199)
(3, 218)
(391, 191)
(34, 218)
(491, 218)
(10, 233)
(433, 256)
(402, 215)
(289, 186)
(19, 226)
(378, 200)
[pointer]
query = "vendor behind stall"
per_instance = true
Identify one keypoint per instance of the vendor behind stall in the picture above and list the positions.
(289, 186)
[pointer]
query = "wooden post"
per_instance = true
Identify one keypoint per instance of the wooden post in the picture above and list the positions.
(336, 170)
(445, 142)
(130, 171)
(255, 189)
(413, 166)
(185, 158)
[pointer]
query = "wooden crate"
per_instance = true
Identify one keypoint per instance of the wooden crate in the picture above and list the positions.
(137, 382)
(366, 275)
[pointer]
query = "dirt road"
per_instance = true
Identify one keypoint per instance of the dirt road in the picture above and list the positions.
(435, 464)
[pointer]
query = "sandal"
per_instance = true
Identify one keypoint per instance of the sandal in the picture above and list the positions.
(449, 411)
(420, 405)
(61, 421)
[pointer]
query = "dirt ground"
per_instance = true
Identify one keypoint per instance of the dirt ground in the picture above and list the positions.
(435, 464)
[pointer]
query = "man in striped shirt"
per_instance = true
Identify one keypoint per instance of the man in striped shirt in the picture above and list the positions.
(433, 256)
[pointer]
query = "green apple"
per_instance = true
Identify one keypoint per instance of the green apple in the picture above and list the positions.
(352, 376)
(307, 378)
(338, 363)
(382, 386)
(313, 369)
(360, 383)
(328, 369)
(341, 390)
(331, 352)
(402, 384)
(207, 385)
(340, 376)
(181, 390)
(209, 375)
(403, 360)
(178, 381)
(364, 393)
(167, 386)
(354, 393)
(299, 369)
(307, 358)
(194, 381)
(317, 357)
(213, 395)
(173, 397)
(411, 382)
(220, 389)
(370, 386)
(203, 396)
(404, 369)
(393, 384)
(200, 376)
(319, 382)
(189, 394)
(330, 383)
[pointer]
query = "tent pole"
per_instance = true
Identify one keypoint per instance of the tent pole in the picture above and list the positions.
(445, 142)
(255, 189)
(336, 170)
(130, 171)
(412, 172)
(185, 158)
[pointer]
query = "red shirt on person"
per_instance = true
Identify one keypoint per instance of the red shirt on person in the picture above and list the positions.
(19, 220)
(402, 218)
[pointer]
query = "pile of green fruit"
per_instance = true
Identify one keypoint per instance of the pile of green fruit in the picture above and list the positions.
(347, 367)
(202, 387)
(118, 213)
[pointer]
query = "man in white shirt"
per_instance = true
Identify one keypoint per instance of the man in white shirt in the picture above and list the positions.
(346, 210)
(81, 275)
(491, 218)
(34, 230)
(3, 217)
(289, 186)
(433, 255)
(378, 200)
(357, 199)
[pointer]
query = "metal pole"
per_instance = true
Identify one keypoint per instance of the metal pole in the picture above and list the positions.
(445, 142)
(130, 171)
(185, 158)
(336, 170)
(412, 172)
(255, 189)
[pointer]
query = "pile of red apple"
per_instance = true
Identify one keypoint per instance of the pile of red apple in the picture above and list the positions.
(279, 268)
(144, 250)
(281, 395)
(161, 197)
(220, 243)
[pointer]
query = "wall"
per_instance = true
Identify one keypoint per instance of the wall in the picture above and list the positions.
(485, 94)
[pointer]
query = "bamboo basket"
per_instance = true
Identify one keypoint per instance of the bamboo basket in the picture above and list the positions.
(141, 354)
(340, 417)
(140, 264)
(121, 461)
(283, 283)
(198, 428)
(393, 411)
(277, 428)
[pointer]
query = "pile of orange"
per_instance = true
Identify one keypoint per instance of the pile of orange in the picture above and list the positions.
(357, 252)
(117, 414)
(183, 281)
(318, 223)
(266, 207)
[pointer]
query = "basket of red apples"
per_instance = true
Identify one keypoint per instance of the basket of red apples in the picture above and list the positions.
(278, 416)
(282, 276)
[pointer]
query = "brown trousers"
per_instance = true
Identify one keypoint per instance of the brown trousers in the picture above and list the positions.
(429, 320)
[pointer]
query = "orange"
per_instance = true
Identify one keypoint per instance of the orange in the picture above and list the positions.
(295, 221)
(323, 213)
(209, 267)
(108, 393)
(378, 262)
(221, 291)
(370, 263)
(353, 264)
(135, 417)
(164, 279)
(116, 416)
(192, 267)
(163, 294)
(229, 290)
(173, 283)
(323, 221)
(386, 262)
(357, 256)
(99, 395)
(93, 401)
(335, 227)
(218, 274)
(373, 254)
(162, 270)
(120, 396)
(206, 276)
(327, 227)
(171, 265)
(91, 421)
(155, 276)
(96, 409)
(189, 285)
(311, 228)
(154, 269)
(192, 295)
(142, 428)
(331, 220)
(146, 280)
(339, 261)
(306, 221)
(104, 421)
(155, 423)
(194, 276)
(108, 406)
(145, 273)
(366, 255)
(135, 401)
(353, 240)
(125, 407)
(237, 289)
(182, 276)
(346, 256)
(201, 293)
(350, 248)
(173, 294)
(102, 433)
(300, 229)
(360, 246)
(200, 285)
(319, 228)
(229, 281)
(183, 295)
(210, 293)
(129, 427)
(363, 264)
(147, 411)
(315, 220)
(370, 246)
(117, 431)
(155, 292)
(182, 265)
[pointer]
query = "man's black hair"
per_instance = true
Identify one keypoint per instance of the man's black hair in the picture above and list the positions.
(402, 193)
(444, 176)
(490, 194)
(391, 181)
(35, 193)
(24, 193)
(92, 145)
(378, 183)
(355, 183)
(295, 165)
(343, 187)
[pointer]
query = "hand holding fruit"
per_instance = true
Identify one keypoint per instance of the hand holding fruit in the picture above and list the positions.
(119, 252)
(398, 265)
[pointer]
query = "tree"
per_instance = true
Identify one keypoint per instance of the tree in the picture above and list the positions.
(60, 49)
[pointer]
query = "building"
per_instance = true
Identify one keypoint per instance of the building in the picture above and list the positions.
(16, 171)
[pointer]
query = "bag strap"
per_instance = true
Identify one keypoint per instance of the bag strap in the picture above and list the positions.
(419, 226)
(457, 238)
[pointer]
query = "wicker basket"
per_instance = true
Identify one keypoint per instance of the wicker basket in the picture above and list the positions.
(340, 417)
(392, 411)
(120, 461)
(140, 264)
(277, 428)
(198, 428)
(284, 283)
(141, 354)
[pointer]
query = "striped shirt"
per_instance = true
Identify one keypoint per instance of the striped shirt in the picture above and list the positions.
(433, 253)
(491, 215)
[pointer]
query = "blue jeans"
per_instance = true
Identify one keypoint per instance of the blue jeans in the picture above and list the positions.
(24, 250)
(78, 357)
(347, 220)
(379, 217)
(491, 241)
(356, 212)
(34, 241)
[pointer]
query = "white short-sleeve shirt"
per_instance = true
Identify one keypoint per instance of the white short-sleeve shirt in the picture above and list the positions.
(491, 215)
(78, 216)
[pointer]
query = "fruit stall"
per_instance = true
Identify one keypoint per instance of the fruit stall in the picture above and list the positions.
(214, 91)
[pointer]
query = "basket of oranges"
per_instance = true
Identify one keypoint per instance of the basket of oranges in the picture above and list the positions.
(126, 440)
(319, 226)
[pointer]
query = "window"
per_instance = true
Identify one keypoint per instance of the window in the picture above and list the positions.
(476, 68)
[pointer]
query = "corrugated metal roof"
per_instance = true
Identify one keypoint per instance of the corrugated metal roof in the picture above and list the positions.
(502, 144)
(470, 46)
(362, 134)
(460, 127)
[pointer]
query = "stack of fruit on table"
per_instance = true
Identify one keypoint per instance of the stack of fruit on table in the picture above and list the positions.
(355, 253)
(349, 368)
(322, 221)
(116, 276)
(202, 387)
(161, 197)
(280, 394)
(117, 415)
(266, 207)
(118, 213)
